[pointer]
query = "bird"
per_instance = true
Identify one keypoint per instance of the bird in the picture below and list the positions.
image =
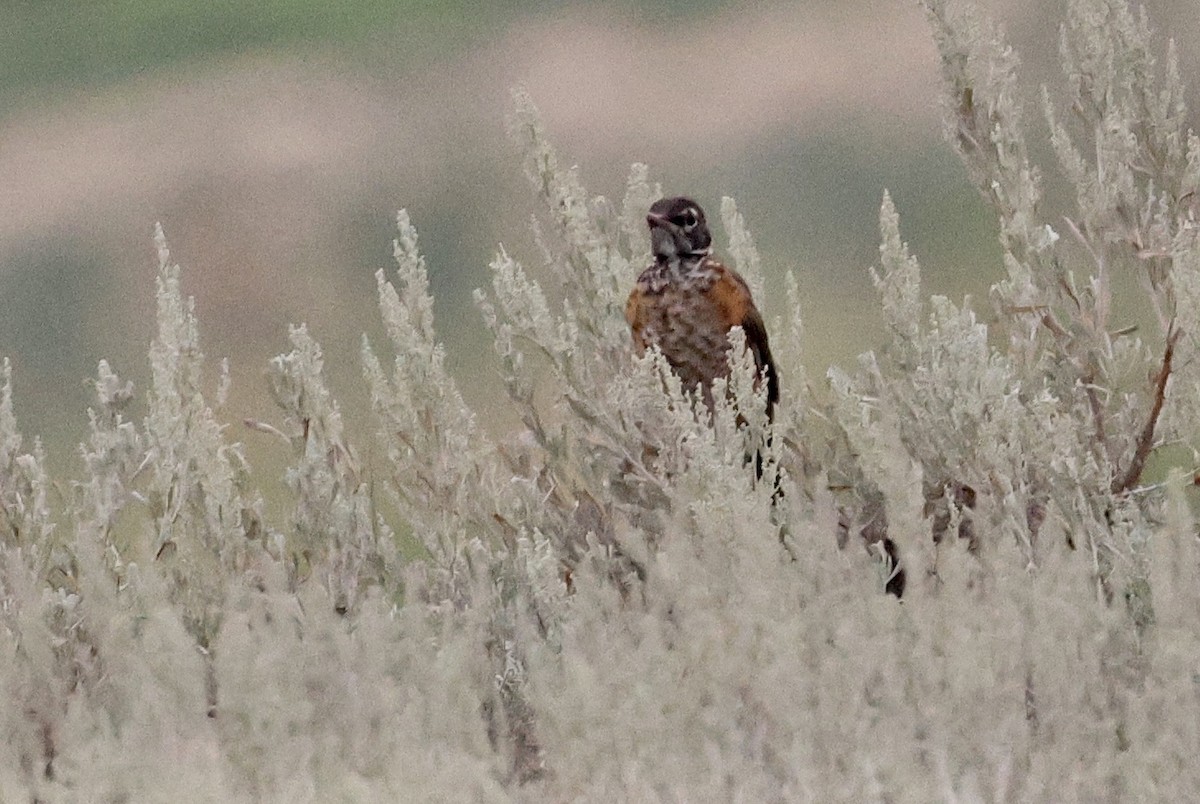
(686, 302)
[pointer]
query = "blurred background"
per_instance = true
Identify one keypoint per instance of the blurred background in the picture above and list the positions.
(274, 141)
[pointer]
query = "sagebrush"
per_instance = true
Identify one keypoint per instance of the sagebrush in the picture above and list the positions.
(606, 604)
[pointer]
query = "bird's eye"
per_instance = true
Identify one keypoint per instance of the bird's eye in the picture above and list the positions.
(687, 220)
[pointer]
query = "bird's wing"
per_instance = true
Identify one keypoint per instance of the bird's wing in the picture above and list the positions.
(757, 343)
(732, 295)
(635, 314)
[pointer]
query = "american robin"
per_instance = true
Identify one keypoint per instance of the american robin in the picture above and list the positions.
(686, 302)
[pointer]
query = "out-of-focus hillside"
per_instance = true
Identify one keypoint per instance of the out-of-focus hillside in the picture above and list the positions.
(275, 145)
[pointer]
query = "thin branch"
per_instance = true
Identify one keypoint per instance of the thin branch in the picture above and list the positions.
(269, 429)
(1097, 409)
(1145, 441)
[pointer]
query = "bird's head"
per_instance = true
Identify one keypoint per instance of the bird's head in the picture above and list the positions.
(678, 229)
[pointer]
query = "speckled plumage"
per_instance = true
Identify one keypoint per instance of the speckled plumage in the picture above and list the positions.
(686, 302)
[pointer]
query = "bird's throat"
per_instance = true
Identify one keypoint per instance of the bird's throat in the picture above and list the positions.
(678, 266)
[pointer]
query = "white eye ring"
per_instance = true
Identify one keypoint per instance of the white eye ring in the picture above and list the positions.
(690, 219)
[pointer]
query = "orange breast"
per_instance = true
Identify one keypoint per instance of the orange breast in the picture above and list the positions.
(688, 318)
(689, 322)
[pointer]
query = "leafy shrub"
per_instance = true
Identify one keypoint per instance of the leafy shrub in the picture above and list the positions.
(606, 604)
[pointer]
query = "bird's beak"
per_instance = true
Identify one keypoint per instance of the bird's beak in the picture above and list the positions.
(657, 220)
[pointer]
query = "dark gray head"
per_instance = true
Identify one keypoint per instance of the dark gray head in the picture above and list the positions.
(677, 229)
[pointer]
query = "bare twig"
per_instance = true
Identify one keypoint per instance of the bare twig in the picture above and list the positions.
(269, 429)
(1097, 408)
(1145, 440)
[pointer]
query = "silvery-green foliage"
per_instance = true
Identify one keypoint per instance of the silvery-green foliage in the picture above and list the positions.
(114, 447)
(958, 406)
(203, 516)
(336, 533)
(584, 341)
(604, 432)
(607, 604)
(1055, 422)
(465, 499)
(382, 703)
(27, 608)
(615, 456)
(742, 251)
(440, 463)
(26, 523)
(97, 652)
